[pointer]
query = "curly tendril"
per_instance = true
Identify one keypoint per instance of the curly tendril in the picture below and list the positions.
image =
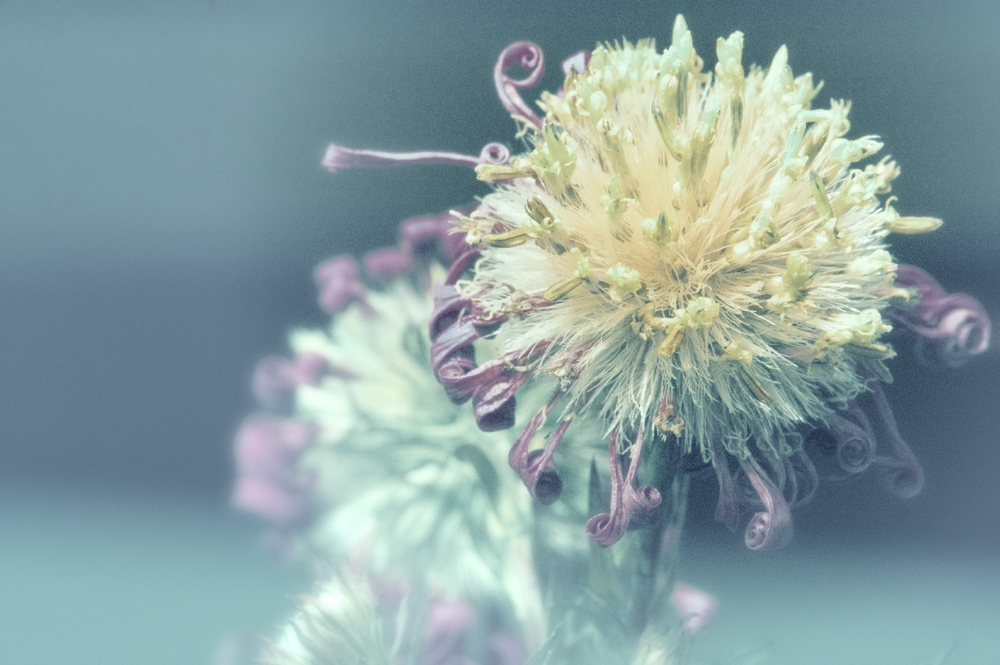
(338, 157)
(529, 56)
(901, 472)
(627, 502)
(494, 153)
(771, 528)
(855, 447)
(949, 328)
(535, 467)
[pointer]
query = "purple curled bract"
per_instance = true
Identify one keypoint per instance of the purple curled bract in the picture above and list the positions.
(629, 504)
(529, 56)
(494, 153)
(901, 472)
(949, 328)
(854, 445)
(339, 283)
(535, 466)
(772, 527)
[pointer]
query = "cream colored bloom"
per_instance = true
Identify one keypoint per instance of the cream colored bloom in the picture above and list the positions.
(403, 476)
(698, 242)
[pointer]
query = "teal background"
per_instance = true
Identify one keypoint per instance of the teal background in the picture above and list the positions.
(162, 206)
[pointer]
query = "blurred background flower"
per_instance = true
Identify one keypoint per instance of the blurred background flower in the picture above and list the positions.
(163, 208)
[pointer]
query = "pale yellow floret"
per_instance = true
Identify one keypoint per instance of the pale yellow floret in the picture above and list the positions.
(737, 353)
(554, 159)
(792, 287)
(624, 281)
(615, 202)
(878, 262)
(860, 330)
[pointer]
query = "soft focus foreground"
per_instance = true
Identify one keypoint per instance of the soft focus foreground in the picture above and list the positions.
(689, 263)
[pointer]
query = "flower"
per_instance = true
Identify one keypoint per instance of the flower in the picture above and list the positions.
(340, 625)
(694, 241)
(346, 623)
(365, 461)
(694, 255)
(700, 257)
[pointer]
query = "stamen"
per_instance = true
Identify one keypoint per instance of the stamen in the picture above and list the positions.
(820, 196)
(749, 382)
(511, 238)
(562, 288)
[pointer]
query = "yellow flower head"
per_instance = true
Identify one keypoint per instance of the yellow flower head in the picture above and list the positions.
(697, 257)
(735, 256)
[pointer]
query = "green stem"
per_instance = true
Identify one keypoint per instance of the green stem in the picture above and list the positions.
(649, 559)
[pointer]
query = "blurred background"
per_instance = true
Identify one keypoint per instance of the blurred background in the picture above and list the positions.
(162, 207)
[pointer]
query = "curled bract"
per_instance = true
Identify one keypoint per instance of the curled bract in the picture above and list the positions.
(901, 471)
(628, 502)
(529, 56)
(950, 328)
(772, 527)
(854, 443)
